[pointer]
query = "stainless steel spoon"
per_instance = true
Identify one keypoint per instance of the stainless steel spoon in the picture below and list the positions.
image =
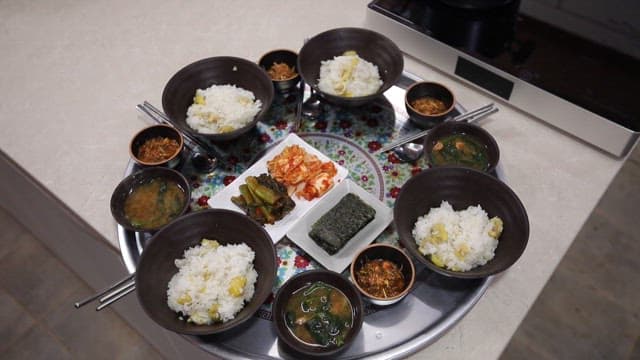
(411, 152)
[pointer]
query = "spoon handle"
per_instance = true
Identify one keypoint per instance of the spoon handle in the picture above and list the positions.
(470, 116)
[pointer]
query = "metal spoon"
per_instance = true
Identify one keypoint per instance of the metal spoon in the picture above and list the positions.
(411, 152)
(312, 108)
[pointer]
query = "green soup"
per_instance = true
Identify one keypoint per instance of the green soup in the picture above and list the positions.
(460, 149)
(319, 315)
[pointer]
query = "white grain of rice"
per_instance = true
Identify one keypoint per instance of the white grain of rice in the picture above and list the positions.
(204, 279)
(222, 108)
(457, 240)
(349, 75)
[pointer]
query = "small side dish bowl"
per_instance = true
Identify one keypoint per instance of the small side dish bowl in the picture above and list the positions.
(157, 265)
(145, 178)
(463, 187)
(435, 97)
(476, 148)
(369, 45)
(179, 92)
(157, 145)
(273, 61)
(305, 279)
(384, 252)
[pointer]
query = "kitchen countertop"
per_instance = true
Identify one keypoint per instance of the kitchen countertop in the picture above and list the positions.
(72, 73)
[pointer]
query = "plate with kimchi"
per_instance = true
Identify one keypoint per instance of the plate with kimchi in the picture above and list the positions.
(293, 166)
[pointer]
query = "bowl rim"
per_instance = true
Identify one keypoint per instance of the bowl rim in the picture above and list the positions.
(225, 136)
(423, 83)
(313, 83)
(473, 273)
(490, 143)
(299, 346)
(408, 286)
(148, 128)
(207, 329)
(297, 75)
(142, 172)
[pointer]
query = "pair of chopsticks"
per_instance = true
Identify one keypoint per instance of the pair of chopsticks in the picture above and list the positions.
(470, 117)
(110, 294)
(158, 116)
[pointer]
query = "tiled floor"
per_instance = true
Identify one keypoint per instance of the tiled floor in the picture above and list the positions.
(590, 309)
(37, 318)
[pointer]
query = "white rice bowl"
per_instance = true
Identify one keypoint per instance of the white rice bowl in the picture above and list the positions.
(208, 286)
(222, 108)
(349, 75)
(457, 240)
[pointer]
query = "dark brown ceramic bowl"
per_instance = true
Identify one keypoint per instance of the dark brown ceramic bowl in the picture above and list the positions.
(154, 131)
(296, 283)
(384, 252)
(222, 70)
(462, 188)
(460, 127)
(433, 90)
(156, 266)
(281, 56)
(370, 46)
(128, 184)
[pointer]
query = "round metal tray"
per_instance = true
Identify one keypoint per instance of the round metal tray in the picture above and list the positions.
(348, 136)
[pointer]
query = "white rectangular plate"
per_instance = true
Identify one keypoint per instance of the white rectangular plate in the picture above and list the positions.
(222, 200)
(299, 232)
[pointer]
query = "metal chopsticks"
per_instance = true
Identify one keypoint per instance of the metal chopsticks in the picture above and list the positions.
(110, 294)
(298, 122)
(470, 116)
(159, 116)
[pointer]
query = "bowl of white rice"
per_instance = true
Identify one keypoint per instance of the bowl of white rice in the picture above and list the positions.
(206, 272)
(350, 66)
(218, 98)
(461, 222)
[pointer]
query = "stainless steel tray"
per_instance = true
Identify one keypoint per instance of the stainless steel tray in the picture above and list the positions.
(435, 304)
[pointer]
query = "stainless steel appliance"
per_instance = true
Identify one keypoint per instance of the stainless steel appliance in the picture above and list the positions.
(568, 80)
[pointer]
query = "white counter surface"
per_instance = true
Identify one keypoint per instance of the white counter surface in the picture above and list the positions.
(73, 71)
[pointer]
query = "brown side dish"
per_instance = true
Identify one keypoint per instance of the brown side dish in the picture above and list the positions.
(281, 71)
(429, 105)
(157, 149)
(381, 278)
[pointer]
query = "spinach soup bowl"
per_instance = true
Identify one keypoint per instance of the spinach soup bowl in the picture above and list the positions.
(458, 143)
(288, 323)
(150, 199)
